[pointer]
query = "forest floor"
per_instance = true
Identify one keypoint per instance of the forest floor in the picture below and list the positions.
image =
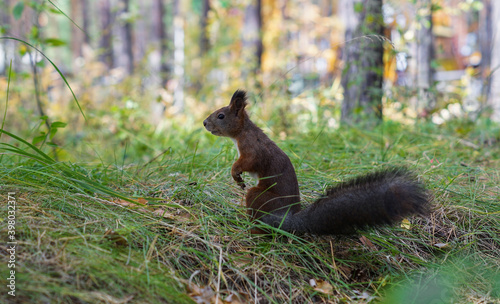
(173, 229)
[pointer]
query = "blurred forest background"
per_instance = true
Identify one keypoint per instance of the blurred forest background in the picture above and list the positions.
(142, 66)
(122, 196)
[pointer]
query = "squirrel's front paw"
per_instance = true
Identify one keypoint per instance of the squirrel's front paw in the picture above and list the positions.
(237, 178)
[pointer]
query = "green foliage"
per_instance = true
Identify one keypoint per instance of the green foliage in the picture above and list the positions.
(191, 184)
(18, 9)
(53, 128)
(53, 65)
(54, 42)
(115, 207)
(439, 283)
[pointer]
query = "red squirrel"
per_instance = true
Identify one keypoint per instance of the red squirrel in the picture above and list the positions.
(378, 198)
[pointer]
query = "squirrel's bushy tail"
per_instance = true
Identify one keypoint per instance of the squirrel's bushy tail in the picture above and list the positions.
(375, 199)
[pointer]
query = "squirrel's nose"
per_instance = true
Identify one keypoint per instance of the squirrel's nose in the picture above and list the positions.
(205, 123)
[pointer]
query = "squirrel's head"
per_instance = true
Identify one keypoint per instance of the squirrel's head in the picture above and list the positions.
(228, 121)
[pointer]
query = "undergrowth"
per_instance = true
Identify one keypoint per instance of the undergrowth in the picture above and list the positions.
(155, 231)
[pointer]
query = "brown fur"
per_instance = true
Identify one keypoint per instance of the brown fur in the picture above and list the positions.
(277, 187)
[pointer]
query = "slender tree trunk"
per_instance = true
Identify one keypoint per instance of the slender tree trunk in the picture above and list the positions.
(204, 43)
(77, 36)
(106, 42)
(141, 30)
(494, 96)
(327, 8)
(362, 77)
(485, 37)
(252, 39)
(127, 43)
(86, 21)
(17, 28)
(4, 15)
(425, 55)
(161, 35)
(179, 56)
(485, 42)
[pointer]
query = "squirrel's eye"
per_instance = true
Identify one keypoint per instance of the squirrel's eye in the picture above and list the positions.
(220, 116)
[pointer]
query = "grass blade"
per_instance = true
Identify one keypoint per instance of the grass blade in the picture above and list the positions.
(55, 67)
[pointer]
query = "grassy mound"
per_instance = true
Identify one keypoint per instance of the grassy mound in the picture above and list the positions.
(173, 229)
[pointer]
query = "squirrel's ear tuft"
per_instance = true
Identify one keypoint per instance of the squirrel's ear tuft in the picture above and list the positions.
(238, 101)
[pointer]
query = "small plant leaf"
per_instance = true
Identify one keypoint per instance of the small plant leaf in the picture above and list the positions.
(40, 138)
(23, 50)
(55, 11)
(40, 64)
(35, 32)
(18, 9)
(358, 7)
(58, 124)
(52, 132)
(55, 126)
(55, 42)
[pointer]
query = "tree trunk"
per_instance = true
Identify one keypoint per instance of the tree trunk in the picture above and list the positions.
(424, 56)
(161, 35)
(5, 21)
(106, 42)
(485, 37)
(204, 43)
(127, 35)
(179, 56)
(77, 36)
(86, 21)
(252, 39)
(362, 76)
(142, 31)
(494, 96)
(17, 28)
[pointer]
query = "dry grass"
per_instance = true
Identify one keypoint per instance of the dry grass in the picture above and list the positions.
(190, 235)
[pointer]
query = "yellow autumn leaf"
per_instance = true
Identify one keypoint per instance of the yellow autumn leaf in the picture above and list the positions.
(321, 286)
(405, 224)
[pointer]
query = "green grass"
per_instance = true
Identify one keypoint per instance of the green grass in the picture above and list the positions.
(82, 241)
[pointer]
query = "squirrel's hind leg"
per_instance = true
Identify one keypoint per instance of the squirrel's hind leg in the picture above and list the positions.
(260, 202)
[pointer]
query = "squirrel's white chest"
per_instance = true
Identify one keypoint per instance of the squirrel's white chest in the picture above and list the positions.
(254, 175)
(236, 145)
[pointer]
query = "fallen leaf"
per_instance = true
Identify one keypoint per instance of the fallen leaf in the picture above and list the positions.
(321, 286)
(164, 213)
(442, 245)
(124, 203)
(102, 297)
(405, 224)
(367, 243)
(142, 201)
(116, 238)
(200, 295)
(363, 295)
(237, 298)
